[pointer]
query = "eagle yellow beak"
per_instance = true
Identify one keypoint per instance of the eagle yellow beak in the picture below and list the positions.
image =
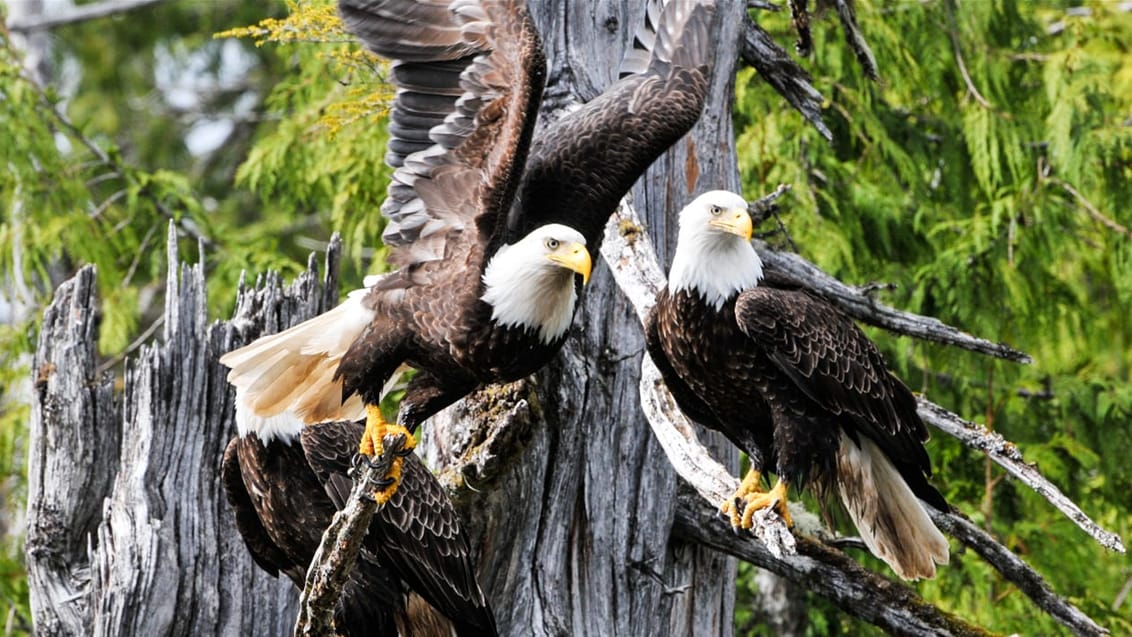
(736, 221)
(573, 256)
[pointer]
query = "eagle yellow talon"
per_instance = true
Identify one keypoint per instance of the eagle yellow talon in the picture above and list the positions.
(750, 498)
(776, 498)
(732, 507)
(383, 495)
(372, 446)
(376, 429)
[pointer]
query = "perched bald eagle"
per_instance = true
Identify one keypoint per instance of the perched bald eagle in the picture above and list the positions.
(488, 220)
(794, 383)
(415, 574)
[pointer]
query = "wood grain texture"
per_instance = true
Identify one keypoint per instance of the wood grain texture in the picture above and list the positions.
(129, 532)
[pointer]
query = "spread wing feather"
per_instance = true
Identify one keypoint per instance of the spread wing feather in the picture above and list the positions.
(417, 532)
(828, 357)
(469, 74)
(583, 164)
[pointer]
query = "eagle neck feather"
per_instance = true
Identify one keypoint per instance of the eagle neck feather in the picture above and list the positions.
(537, 296)
(715, 265)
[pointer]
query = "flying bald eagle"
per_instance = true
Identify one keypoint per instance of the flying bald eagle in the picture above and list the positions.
(794, 383)
(488, 220)
(415, 574)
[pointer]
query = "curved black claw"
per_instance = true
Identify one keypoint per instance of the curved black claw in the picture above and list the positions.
(397, 445)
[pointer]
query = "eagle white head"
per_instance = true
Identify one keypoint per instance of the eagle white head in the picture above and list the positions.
(714, 255)
(531, 283)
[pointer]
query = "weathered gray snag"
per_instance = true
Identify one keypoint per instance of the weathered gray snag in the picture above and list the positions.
(128, 529)
(573, 510)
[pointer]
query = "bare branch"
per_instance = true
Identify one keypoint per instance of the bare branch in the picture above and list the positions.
(693, 462)
(1008, 456)
(758, 49)
(953, 34)
(1014, 569)
(80, 13)
(341, 542)
(856, 39)
(865, 309)
(1096, 214)
(826, 571)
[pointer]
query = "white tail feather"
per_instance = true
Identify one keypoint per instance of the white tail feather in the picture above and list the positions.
(889, 517)
(286, 380)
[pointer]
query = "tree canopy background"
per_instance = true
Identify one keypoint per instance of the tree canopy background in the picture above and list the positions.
(987, 176)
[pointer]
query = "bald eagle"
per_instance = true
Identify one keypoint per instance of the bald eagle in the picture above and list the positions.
(488, 220)
(794, 383)
(415, 559)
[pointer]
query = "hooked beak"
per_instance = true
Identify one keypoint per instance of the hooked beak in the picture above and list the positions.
(736, 221)
(573, 256)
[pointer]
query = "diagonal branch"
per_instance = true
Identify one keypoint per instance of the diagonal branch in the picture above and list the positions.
(1017, 571)
(953, 35)
(864, 308)
(1096, 214)
(827, 571)
(856, 40)
(759, 50)
(1008, 456)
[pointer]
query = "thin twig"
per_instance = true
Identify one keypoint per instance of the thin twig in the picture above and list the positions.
(1096, 214)
(106, 203)
(953, 34)
(142, 339)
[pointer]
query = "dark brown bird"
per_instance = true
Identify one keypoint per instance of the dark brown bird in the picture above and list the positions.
(794, 383)
(415, 574)
(488, 221)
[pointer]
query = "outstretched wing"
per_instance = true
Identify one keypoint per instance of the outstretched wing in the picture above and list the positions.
(584, 163)
(469, 75)
(828, 357)
(417, 533)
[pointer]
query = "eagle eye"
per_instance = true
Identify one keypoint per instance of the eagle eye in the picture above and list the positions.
(715, 210)
(552, 243)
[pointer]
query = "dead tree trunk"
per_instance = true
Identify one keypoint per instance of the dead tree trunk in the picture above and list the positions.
(128, 529)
